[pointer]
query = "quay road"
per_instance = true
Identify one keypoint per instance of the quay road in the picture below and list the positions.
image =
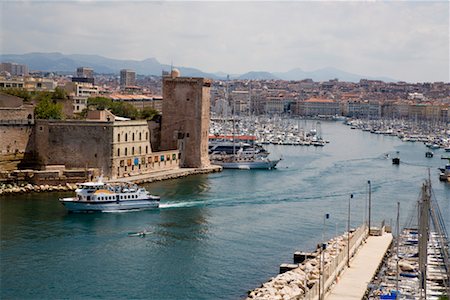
(167, 174)
(353, 281)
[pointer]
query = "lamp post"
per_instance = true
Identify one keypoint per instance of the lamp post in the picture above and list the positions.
(322, 248)
(348, 232)
(370, 201)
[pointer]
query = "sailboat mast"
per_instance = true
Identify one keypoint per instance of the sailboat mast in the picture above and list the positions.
(398, 242)
(424, 221)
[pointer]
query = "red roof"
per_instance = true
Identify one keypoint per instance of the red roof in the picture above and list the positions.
(321, 100)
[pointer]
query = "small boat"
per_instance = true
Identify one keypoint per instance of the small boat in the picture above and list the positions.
(109, 197)
(139, 234)
(245, 162)
(429, 154)
(396, 159)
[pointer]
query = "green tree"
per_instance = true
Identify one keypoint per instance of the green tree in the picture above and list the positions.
(148, 113)
(123, 109)
(18, 92)
(99, 103)
(46, 109)
(59, 93)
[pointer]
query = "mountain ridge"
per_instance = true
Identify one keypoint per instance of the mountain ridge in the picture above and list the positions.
(58, 62)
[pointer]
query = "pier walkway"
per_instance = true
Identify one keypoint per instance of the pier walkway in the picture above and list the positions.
(354, 280)
(167, 174)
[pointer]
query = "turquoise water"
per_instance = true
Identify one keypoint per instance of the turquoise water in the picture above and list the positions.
(216, 236)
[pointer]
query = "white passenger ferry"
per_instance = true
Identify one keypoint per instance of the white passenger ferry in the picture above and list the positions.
(99, 196)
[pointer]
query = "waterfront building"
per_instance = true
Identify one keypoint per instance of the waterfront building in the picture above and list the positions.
(240, 102)
(185, 118)
(127, 78)
(318, 106)
(362, 109)
(115, 146)
(274, 105)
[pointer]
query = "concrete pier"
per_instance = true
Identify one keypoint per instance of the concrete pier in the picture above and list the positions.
(354, 280)
(324, 274)
(167, 174)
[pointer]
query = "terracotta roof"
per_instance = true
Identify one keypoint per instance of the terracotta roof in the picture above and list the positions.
(321, 100)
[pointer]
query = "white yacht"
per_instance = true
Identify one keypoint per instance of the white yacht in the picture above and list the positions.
(105, 197)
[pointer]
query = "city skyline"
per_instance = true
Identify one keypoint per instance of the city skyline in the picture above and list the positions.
(403, 40)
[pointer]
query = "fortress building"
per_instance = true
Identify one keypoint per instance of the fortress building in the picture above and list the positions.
(185, 121)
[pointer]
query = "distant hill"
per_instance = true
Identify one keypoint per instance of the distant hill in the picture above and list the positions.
(58, 62)
(326, 74)
(258, 75)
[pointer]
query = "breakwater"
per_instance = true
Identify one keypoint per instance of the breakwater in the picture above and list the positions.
(316, 273)
(29, 188)
(55, 186)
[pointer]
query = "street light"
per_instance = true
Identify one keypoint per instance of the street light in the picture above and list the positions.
(370, 201)
(322, 248)
(348, 232)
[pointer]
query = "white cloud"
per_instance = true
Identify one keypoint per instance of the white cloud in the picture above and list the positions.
(403, 40)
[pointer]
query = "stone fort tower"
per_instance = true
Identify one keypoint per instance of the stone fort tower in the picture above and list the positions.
(185, 120)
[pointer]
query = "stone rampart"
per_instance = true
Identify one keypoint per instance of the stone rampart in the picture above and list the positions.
(74, 144)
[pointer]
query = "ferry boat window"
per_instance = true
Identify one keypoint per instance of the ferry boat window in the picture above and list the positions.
(88, 198)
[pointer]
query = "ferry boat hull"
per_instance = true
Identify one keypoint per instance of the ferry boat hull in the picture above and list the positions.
(74, 205)
(109, 197)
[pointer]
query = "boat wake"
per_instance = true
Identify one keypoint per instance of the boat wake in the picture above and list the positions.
(181, 204)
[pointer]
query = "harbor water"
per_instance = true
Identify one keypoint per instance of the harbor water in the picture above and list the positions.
(215, 236)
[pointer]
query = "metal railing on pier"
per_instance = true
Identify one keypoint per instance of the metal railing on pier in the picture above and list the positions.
(332, 270)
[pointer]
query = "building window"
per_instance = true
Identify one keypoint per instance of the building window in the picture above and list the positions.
(140, 136)
(126, 150)
(132, 137)
(146, 136)
(118, 137)
(118, 152)
(132, 150)
(140, 150)
(126, 137)
(146, 149)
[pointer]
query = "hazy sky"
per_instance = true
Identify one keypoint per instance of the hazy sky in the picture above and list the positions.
(402, 40)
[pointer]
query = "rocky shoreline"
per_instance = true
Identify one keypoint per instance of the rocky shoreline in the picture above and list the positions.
(13, 188)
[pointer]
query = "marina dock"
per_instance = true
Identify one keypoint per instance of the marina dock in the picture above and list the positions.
(325, 275)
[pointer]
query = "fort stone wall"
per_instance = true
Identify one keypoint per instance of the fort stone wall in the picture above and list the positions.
(75, 144)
